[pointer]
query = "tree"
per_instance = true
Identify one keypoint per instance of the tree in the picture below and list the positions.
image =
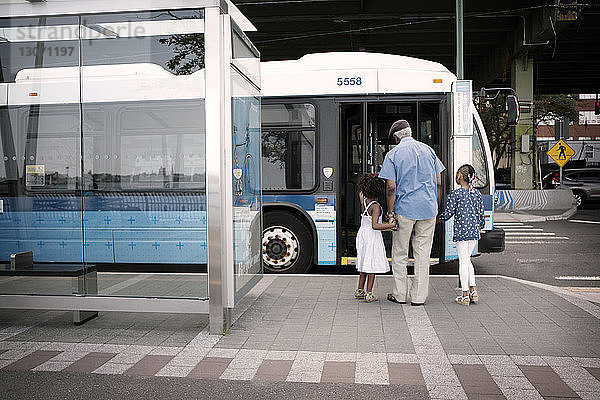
(188, 50)
(554, 106)
(188, 53)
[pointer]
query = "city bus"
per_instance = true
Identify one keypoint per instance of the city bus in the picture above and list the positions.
(128, 165)
(325, 120)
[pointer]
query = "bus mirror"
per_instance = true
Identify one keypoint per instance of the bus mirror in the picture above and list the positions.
(512, 110)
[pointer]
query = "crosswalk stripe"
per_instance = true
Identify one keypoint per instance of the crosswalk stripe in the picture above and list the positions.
(517, 237)
(529, 242)
(514, 226)
(518, 233)
(584, 222)
(523, 230)
(577, 278)
(530, 234)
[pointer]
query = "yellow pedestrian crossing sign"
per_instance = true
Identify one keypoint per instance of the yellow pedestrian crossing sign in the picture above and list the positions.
(561, 152)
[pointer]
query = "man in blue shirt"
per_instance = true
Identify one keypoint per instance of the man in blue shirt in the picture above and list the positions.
(413, 188)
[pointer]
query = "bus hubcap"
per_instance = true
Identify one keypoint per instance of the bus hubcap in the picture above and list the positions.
(279, 247)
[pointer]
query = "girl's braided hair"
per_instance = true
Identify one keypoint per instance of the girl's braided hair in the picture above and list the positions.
(467, 172)
(371, 186)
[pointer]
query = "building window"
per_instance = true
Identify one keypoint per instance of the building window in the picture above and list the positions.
(589, 118)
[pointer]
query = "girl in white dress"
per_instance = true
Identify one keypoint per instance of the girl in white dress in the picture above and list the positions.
(371, 258)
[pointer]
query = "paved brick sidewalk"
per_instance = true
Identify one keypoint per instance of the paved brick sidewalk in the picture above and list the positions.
(521, 341)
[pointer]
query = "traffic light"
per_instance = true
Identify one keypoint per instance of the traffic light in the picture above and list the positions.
(597, 107)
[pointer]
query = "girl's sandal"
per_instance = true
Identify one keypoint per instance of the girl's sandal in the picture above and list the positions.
(473, 296)
(369, 298)
(464, 300)
(359, 294)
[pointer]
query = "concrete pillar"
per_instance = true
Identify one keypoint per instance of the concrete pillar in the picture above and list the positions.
(523, 160)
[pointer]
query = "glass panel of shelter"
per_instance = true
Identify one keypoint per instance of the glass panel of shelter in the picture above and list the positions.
(246, 158)
(40, 174)
(144, 152)
(142, 178)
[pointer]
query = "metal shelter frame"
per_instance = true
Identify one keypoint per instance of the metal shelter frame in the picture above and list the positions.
(219, 17)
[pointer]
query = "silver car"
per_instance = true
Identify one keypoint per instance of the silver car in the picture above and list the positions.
(584, 182)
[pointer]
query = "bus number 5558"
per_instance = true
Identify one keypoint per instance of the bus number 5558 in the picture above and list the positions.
(349, 81)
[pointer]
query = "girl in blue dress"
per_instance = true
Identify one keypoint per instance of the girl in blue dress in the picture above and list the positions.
(466, 205)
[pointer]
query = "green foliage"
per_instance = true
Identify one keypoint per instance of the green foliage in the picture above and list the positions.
(554, 106)
(274, 147)
(189, 53)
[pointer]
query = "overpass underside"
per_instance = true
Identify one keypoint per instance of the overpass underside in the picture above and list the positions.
(561, 39)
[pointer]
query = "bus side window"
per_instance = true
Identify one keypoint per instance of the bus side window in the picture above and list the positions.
(288, 146)
(48, 146)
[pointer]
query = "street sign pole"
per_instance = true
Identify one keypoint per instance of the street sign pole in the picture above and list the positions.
(560, 176)
(459, 40)
(561, 152)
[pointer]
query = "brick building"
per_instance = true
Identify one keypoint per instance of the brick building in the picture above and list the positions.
(586, 128)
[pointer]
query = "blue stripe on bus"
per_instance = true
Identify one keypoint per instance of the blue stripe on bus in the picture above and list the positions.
(123, 229)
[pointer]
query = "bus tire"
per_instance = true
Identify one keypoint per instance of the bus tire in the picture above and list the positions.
(287, 245)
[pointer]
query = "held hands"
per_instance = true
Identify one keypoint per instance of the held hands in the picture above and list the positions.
(392, 222)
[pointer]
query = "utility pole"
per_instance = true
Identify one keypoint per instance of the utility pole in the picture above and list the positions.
(459, 40)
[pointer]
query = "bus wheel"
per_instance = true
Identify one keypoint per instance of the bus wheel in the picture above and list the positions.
(287, 245)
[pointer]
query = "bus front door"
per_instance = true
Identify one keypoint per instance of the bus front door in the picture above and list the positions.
(424, 117)
(364, 141)
(352, 163)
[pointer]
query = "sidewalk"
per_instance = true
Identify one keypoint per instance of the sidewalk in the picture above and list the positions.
(521, 341)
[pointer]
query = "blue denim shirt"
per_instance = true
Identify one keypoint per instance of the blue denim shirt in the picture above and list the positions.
(468, 212)
(414, 166)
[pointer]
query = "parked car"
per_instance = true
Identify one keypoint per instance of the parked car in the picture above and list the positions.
(584, 182)
(551, 180)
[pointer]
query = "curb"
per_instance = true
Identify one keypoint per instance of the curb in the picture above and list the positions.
(541, 218)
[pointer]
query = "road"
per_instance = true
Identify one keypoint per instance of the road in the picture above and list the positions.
(60, 385)
(538, 252)
(561, 253)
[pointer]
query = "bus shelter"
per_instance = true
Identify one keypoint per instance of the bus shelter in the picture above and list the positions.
(130, 145)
